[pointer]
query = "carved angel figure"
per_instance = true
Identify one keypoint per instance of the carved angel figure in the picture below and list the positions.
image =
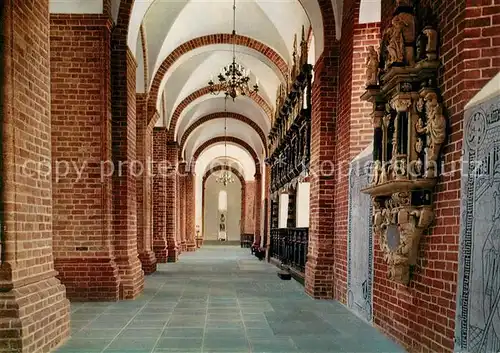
(372, 63)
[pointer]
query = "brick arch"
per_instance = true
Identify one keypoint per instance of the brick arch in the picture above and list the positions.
(230, 139)
(124, 14)
(217, 38)
(326, 8)
(200, 93)
(243, 192)
(222, 167)
(219, 115)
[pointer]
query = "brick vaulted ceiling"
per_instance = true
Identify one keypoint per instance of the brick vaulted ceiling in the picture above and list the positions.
(186, 42)
(199, 31)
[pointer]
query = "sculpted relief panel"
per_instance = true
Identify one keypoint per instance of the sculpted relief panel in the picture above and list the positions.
(478, 299)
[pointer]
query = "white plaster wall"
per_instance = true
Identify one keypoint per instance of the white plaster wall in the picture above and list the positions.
(115, 9)
(76, 6)
(215, 128)
(370, 11)
(209, 104)
(302, 205)
(212, 153)
(211, 212)
(283, 211)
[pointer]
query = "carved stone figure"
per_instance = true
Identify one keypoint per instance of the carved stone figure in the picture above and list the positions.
(432, 42)
(303, 49)
(372, 64)
(383, 175)
(377, 166)
(419, 145)
(435, 127)
(407, 23)
(395, 46)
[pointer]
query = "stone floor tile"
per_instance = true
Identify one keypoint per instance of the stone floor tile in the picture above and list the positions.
(179, 343)
(184, 332)
(140, 332)
(221, 300)
(146, 344)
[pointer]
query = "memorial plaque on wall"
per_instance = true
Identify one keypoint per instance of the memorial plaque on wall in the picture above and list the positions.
(478, 299)
(360, 239)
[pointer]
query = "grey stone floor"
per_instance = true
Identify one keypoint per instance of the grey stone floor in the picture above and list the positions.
(221, 299)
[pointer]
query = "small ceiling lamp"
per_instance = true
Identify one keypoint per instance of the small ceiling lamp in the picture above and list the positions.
(225, 177)
(234, 79)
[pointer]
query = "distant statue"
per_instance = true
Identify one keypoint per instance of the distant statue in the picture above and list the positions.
(372, 63)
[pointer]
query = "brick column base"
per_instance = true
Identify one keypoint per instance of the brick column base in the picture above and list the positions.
(131, 277)
(319, 278)
(23, 309)
(191, 247)
(148, 261)
(89, 279)
(173, 255)
(161, 253)
(183, 246)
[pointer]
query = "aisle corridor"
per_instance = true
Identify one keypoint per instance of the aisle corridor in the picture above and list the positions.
(220, 299)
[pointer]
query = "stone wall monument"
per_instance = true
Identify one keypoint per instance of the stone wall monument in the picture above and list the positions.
(478, 299)
(360, 238)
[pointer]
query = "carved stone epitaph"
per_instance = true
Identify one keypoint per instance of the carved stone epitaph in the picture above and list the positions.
(477, 326)
(360, 239)
(409, 128)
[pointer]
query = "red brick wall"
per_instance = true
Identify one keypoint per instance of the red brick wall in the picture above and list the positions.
(173, 243)
(422, 316)
(249, 219)
(257, 207)
(123, 83)
(182, 205)
(81, 135)
(218, 38)
(144, 180)
(354, 131)
(33, 309)
(320, 258)
(159, 195)
(144, 205)
(190, 211)
(267, 205)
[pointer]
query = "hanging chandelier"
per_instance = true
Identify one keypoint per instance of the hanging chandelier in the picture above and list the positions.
(225, 177)
(234, 79)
